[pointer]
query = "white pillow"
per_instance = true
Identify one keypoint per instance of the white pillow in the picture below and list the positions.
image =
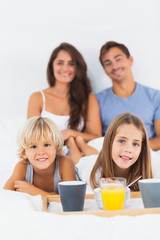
(155, 158)
(96, 143)
(84, 167)
(20, 201)
(85, 164)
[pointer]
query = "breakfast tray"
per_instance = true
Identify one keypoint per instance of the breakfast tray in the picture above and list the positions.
(101, 213)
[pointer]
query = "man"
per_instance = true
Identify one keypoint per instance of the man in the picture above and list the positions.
(126, 95)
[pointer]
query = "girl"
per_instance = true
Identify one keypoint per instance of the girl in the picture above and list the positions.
(125, 152)
(41, 166)
(68, 100)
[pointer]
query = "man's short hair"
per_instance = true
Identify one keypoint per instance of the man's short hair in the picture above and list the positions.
(108, 45)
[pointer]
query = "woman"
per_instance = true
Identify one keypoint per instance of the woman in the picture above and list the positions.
(68, 101)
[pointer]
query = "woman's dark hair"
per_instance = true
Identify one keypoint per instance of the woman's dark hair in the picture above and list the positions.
(80, 86)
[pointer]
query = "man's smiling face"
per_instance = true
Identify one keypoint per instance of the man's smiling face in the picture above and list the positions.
(116, 64)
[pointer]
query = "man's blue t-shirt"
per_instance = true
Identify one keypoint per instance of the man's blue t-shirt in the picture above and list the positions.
(144, 102)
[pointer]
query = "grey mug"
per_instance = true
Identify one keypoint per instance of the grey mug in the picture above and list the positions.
(150, 192)
(72, 195)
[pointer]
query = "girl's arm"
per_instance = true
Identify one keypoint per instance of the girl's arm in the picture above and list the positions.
(35, 105)
(93, 127)
(67, 169)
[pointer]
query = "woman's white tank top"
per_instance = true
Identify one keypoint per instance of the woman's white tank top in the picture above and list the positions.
(60, 120)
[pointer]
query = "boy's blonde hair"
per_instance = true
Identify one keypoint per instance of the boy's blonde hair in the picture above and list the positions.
(34, 129)
(104, 161)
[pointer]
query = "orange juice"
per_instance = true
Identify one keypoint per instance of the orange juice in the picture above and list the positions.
(113, 197)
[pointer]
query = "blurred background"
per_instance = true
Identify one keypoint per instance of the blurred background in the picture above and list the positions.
(30, 30)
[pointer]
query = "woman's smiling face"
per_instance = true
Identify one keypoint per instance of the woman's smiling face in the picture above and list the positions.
(64, 67)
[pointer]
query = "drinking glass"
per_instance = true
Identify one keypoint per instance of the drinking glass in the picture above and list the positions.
(113, 192)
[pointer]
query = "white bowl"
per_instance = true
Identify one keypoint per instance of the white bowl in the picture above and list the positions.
(98, 197)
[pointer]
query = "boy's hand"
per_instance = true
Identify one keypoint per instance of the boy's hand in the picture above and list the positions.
(22, 186)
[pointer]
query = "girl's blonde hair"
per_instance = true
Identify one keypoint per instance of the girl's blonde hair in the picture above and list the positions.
(104, 162)
(34, 129)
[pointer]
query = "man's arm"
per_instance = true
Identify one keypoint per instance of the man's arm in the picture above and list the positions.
(155, 142)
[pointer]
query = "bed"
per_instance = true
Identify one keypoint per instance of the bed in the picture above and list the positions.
(22, 215)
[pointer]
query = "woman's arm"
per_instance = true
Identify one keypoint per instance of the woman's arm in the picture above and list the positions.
(35, 105)
(93, 123)
(93, 127)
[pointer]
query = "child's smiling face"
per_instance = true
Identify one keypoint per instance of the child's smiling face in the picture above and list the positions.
(41, 154)
(126, 146)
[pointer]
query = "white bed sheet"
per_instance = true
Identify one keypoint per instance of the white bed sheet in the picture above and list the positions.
(17, 223)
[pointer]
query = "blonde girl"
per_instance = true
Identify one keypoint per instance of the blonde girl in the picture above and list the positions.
(42, 166)
(125, 152)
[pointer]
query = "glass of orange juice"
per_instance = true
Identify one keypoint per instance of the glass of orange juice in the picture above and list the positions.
(113, 192)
